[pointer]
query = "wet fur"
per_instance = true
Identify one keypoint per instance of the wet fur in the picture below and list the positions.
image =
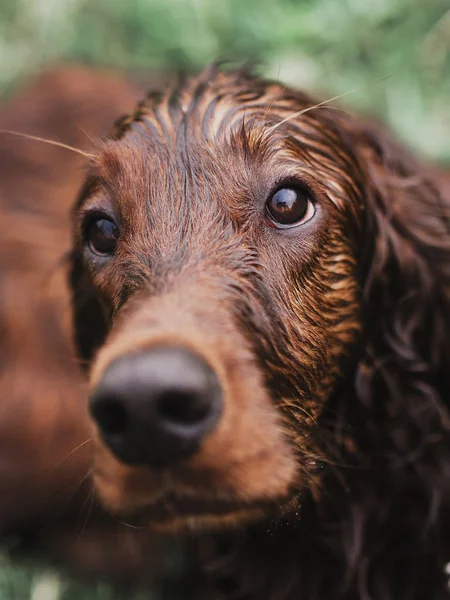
(331, 343)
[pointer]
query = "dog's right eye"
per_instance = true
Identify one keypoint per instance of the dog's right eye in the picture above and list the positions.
(101, 236)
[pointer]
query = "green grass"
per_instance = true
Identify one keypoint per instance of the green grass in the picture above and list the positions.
(25, 581)
(331, 46)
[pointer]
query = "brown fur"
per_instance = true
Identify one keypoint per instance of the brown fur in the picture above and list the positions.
(45, 497)
(328, 471)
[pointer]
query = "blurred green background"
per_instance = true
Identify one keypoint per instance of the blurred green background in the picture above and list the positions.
(331, 46)
(328, 46)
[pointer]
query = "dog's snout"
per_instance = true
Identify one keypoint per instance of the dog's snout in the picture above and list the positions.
(155, 407)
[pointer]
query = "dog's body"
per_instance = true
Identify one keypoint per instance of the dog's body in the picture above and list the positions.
(45, 499)
(293, 264)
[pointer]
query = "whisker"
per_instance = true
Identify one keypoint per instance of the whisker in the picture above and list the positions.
(320, 104)
(138, 527)
(36, 138)
(90, 499)
(61, 509)
(72, 452)
(305, 110)
(338, 109)
(88, 135)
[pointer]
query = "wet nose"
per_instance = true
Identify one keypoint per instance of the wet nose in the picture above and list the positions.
(155, 407)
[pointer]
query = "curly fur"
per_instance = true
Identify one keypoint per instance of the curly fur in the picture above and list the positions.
(333, 343)
(381, 527)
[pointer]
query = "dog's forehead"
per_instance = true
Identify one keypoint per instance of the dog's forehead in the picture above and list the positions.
(211, 104)
(227, 113)
(224, 132)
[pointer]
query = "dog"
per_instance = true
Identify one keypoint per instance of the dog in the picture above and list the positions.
(260, 302)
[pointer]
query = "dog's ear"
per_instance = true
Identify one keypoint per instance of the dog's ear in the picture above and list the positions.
(89, 323)
(407, 281)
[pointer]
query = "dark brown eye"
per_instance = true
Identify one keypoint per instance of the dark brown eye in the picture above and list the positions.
(290, 206)
(102, 235)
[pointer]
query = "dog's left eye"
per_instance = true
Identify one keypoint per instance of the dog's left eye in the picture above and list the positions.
(290, 206)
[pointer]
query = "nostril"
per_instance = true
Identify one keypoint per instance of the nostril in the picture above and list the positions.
(110, 416)
(183, 408)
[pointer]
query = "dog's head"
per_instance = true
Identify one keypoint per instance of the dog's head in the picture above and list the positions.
(235, 246)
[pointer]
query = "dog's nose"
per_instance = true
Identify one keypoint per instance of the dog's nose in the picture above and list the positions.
(155, 407)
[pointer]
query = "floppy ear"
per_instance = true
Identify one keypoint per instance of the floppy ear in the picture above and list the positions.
(406, 294)
(90, 327)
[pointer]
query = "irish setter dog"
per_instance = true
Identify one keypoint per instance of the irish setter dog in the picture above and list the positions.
(260, 292)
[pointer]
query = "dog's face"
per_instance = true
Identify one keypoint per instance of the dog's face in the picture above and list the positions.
(216, 293)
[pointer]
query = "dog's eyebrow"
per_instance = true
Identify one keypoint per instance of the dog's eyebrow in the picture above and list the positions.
(91, 185)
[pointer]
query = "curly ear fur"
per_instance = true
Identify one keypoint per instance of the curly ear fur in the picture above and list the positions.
(393, 430)
(408, 289)
(378, 527)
